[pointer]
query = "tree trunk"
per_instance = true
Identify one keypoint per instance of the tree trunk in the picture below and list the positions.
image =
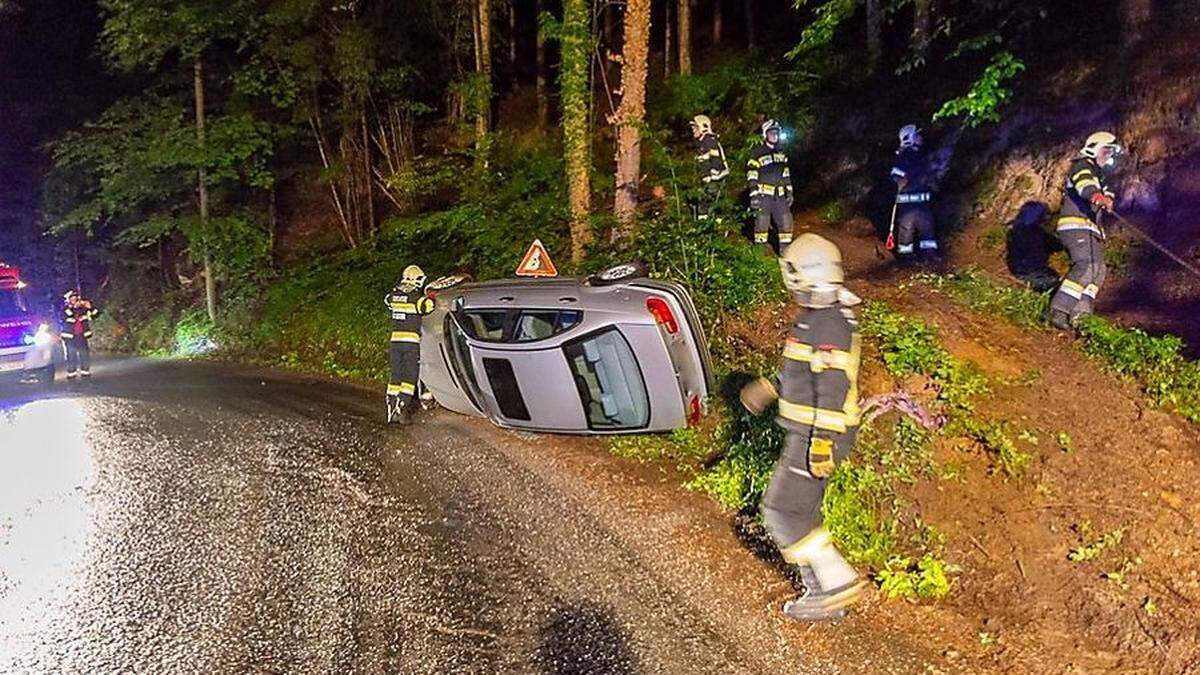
(576, 58)
(751, 27)
(685, 37)
(1135, 18)
(512, 41)
(668, 31)
(543, 94)
(631, 113)
(368, 183)
(483, 66)
(718, 23)
(874, 33)
(922, 27)
(210, 281)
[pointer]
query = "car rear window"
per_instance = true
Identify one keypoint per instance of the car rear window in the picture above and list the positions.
(485, 324)
(609, 380)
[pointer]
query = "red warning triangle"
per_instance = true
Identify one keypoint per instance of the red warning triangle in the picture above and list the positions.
(537, 262)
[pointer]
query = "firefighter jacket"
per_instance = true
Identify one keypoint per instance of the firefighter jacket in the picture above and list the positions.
(818, 383)
(407, 305)
(1085, 180)
(711, 157)
(767, 173)
(914, 176)
(77, 320)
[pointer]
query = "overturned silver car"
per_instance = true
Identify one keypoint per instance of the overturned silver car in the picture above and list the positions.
(616, 353)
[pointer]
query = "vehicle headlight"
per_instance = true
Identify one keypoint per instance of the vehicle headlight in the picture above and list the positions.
(43, 336)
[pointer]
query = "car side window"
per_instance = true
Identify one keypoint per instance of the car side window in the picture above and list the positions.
(535, 325)
(505, 388)
(609, 380)
(485, 324)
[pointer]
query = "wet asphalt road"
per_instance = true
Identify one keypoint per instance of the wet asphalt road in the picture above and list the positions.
(190, 518)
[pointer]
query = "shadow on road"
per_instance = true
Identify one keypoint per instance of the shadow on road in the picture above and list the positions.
(584, 640)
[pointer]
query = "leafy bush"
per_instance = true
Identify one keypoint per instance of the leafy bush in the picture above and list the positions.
(1156, 361)
(928, 578)
(739, 479)
(982, 102)
(972, 288)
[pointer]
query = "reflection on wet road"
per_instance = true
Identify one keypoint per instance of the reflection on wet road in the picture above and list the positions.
(171, 518)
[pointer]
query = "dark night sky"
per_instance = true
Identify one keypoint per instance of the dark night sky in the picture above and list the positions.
(51, 79)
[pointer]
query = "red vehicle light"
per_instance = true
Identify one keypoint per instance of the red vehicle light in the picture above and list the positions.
(662, 314)
(695, 411)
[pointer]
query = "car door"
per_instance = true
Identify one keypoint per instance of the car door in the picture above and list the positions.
(522, 374)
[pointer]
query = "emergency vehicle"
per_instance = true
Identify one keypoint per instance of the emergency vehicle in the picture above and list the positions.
(29, 345)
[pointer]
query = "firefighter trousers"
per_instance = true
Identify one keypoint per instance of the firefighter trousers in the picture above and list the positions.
(79, 356)
(1076, 295)
(773, 210)
(405, 370)
(791, 505)
(710, 193)
(916, 232)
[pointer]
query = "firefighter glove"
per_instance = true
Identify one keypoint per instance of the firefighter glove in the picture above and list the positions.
(1102, 202)
(790, 199)
(755, 202)
(820, 457)
(757, 395)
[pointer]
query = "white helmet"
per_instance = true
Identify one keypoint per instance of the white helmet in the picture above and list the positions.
(770, 125)
(703, 124)
(413, 276)
(1098, 140)
(811, 263)
(910, 137)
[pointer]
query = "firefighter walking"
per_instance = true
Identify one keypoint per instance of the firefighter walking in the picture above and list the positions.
(713, 168)
(1080, 228)
(817, 390)
(770, 183)
(912, 218)
(407, 303)
(77, 316)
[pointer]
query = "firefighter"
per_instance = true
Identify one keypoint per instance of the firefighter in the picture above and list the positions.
(408, 303)
(1080, 228)
(770, 183)
(713, 167)
(77, 316)
(817, 390)
(915, 231)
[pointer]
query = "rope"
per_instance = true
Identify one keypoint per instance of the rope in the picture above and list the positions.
(904, 403)
(1159, 247)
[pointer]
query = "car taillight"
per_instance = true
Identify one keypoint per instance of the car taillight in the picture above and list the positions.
(662, 314)
(695, 411)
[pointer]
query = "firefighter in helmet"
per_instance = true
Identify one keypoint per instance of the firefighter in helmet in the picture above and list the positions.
(713, 167)
(407, 303)
(915, 231)
(77, 316)
(1080, 227)
(770, 183)
(817, 390)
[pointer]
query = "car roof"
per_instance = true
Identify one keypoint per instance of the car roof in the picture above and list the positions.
(557, 292)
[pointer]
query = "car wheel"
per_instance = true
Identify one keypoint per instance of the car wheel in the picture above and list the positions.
(619, 273)
(45, 376)
(449, 281)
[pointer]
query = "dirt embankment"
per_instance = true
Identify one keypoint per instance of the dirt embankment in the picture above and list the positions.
(1091, 561)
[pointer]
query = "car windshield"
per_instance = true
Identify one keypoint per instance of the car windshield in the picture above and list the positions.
(11, 302)
(609, 381)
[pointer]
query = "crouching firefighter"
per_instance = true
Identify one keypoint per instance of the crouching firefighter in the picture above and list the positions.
(817, 389)
(78, 314)
(1080, 228)
(912, 219)
(713, 168)
(770, 183)
(408, 303)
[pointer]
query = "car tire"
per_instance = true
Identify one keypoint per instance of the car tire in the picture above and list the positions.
(619, 273)
(45, 376)
(448, 281)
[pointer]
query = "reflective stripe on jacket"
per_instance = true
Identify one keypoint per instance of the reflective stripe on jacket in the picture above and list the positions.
(767, 172)
(818, 383)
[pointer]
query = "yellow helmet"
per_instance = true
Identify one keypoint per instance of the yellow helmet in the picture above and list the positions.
(1098, 140)
(703, 123)
(413, 276)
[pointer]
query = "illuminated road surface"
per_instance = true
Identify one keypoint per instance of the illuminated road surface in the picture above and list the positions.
(177, 518)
